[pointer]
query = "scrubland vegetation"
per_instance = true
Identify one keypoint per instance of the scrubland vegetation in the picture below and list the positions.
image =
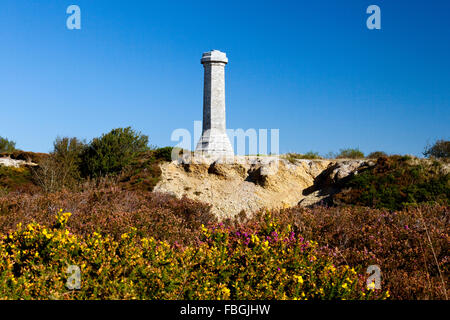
(130, 242)
(396, 182)
(224, 264)
(7, 145)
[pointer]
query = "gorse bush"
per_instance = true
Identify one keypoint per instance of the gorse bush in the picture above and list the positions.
(7, 145)
(62, 167)
(113, 151)
(35, 157)
(440, 149)
(277, 264)
(131, 243)
(122, 153)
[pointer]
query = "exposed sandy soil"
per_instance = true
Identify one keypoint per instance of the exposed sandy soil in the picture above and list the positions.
(250, 183)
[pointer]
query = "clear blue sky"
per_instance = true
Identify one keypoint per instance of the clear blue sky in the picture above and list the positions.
(309, 68)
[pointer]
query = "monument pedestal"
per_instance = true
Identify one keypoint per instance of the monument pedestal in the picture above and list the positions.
(214, 142)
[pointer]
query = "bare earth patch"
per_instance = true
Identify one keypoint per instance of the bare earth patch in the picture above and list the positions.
(249, 183)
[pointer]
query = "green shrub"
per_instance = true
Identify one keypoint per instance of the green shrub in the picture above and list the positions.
(274, 264)
(111, 211)
(17, 179)
(376, 155)
(292, 157)
(330, 155)
(350, 154)
(68, 153)
(7, 145)
(113, 151)
(144, 172)
(440, 149)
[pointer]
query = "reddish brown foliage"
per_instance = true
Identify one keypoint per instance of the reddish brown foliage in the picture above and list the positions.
(396, 241)
(111, 211)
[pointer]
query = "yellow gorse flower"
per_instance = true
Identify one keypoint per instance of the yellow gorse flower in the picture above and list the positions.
(298, 279)
(148, 268)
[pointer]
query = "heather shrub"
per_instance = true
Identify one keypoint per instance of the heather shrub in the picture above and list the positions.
(350, 154)
(110, 210)
(113, 151)
(7, 145)
(164, 153)
(396, 182)
(35, 261)
(27, 156)
(61, 169)
(142, 174)
(397, 241)
(48, 175)
(440, 149)
(410, 246)
(68, 152)
(170, 153)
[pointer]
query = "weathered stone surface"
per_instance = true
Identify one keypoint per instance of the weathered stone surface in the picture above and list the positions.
(8, 162)
(331, 180)
(249, 183)
(214, 140)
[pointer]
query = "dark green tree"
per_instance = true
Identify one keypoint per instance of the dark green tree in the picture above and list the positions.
(113, 151)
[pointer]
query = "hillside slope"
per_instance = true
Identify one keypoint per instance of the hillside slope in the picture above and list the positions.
(250, 183)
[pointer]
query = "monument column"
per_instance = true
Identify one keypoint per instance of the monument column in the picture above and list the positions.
(214, 140)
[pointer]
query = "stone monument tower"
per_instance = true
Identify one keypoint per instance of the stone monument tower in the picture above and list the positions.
(214, 140)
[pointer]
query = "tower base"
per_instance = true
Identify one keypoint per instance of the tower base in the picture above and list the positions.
(214, 142)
